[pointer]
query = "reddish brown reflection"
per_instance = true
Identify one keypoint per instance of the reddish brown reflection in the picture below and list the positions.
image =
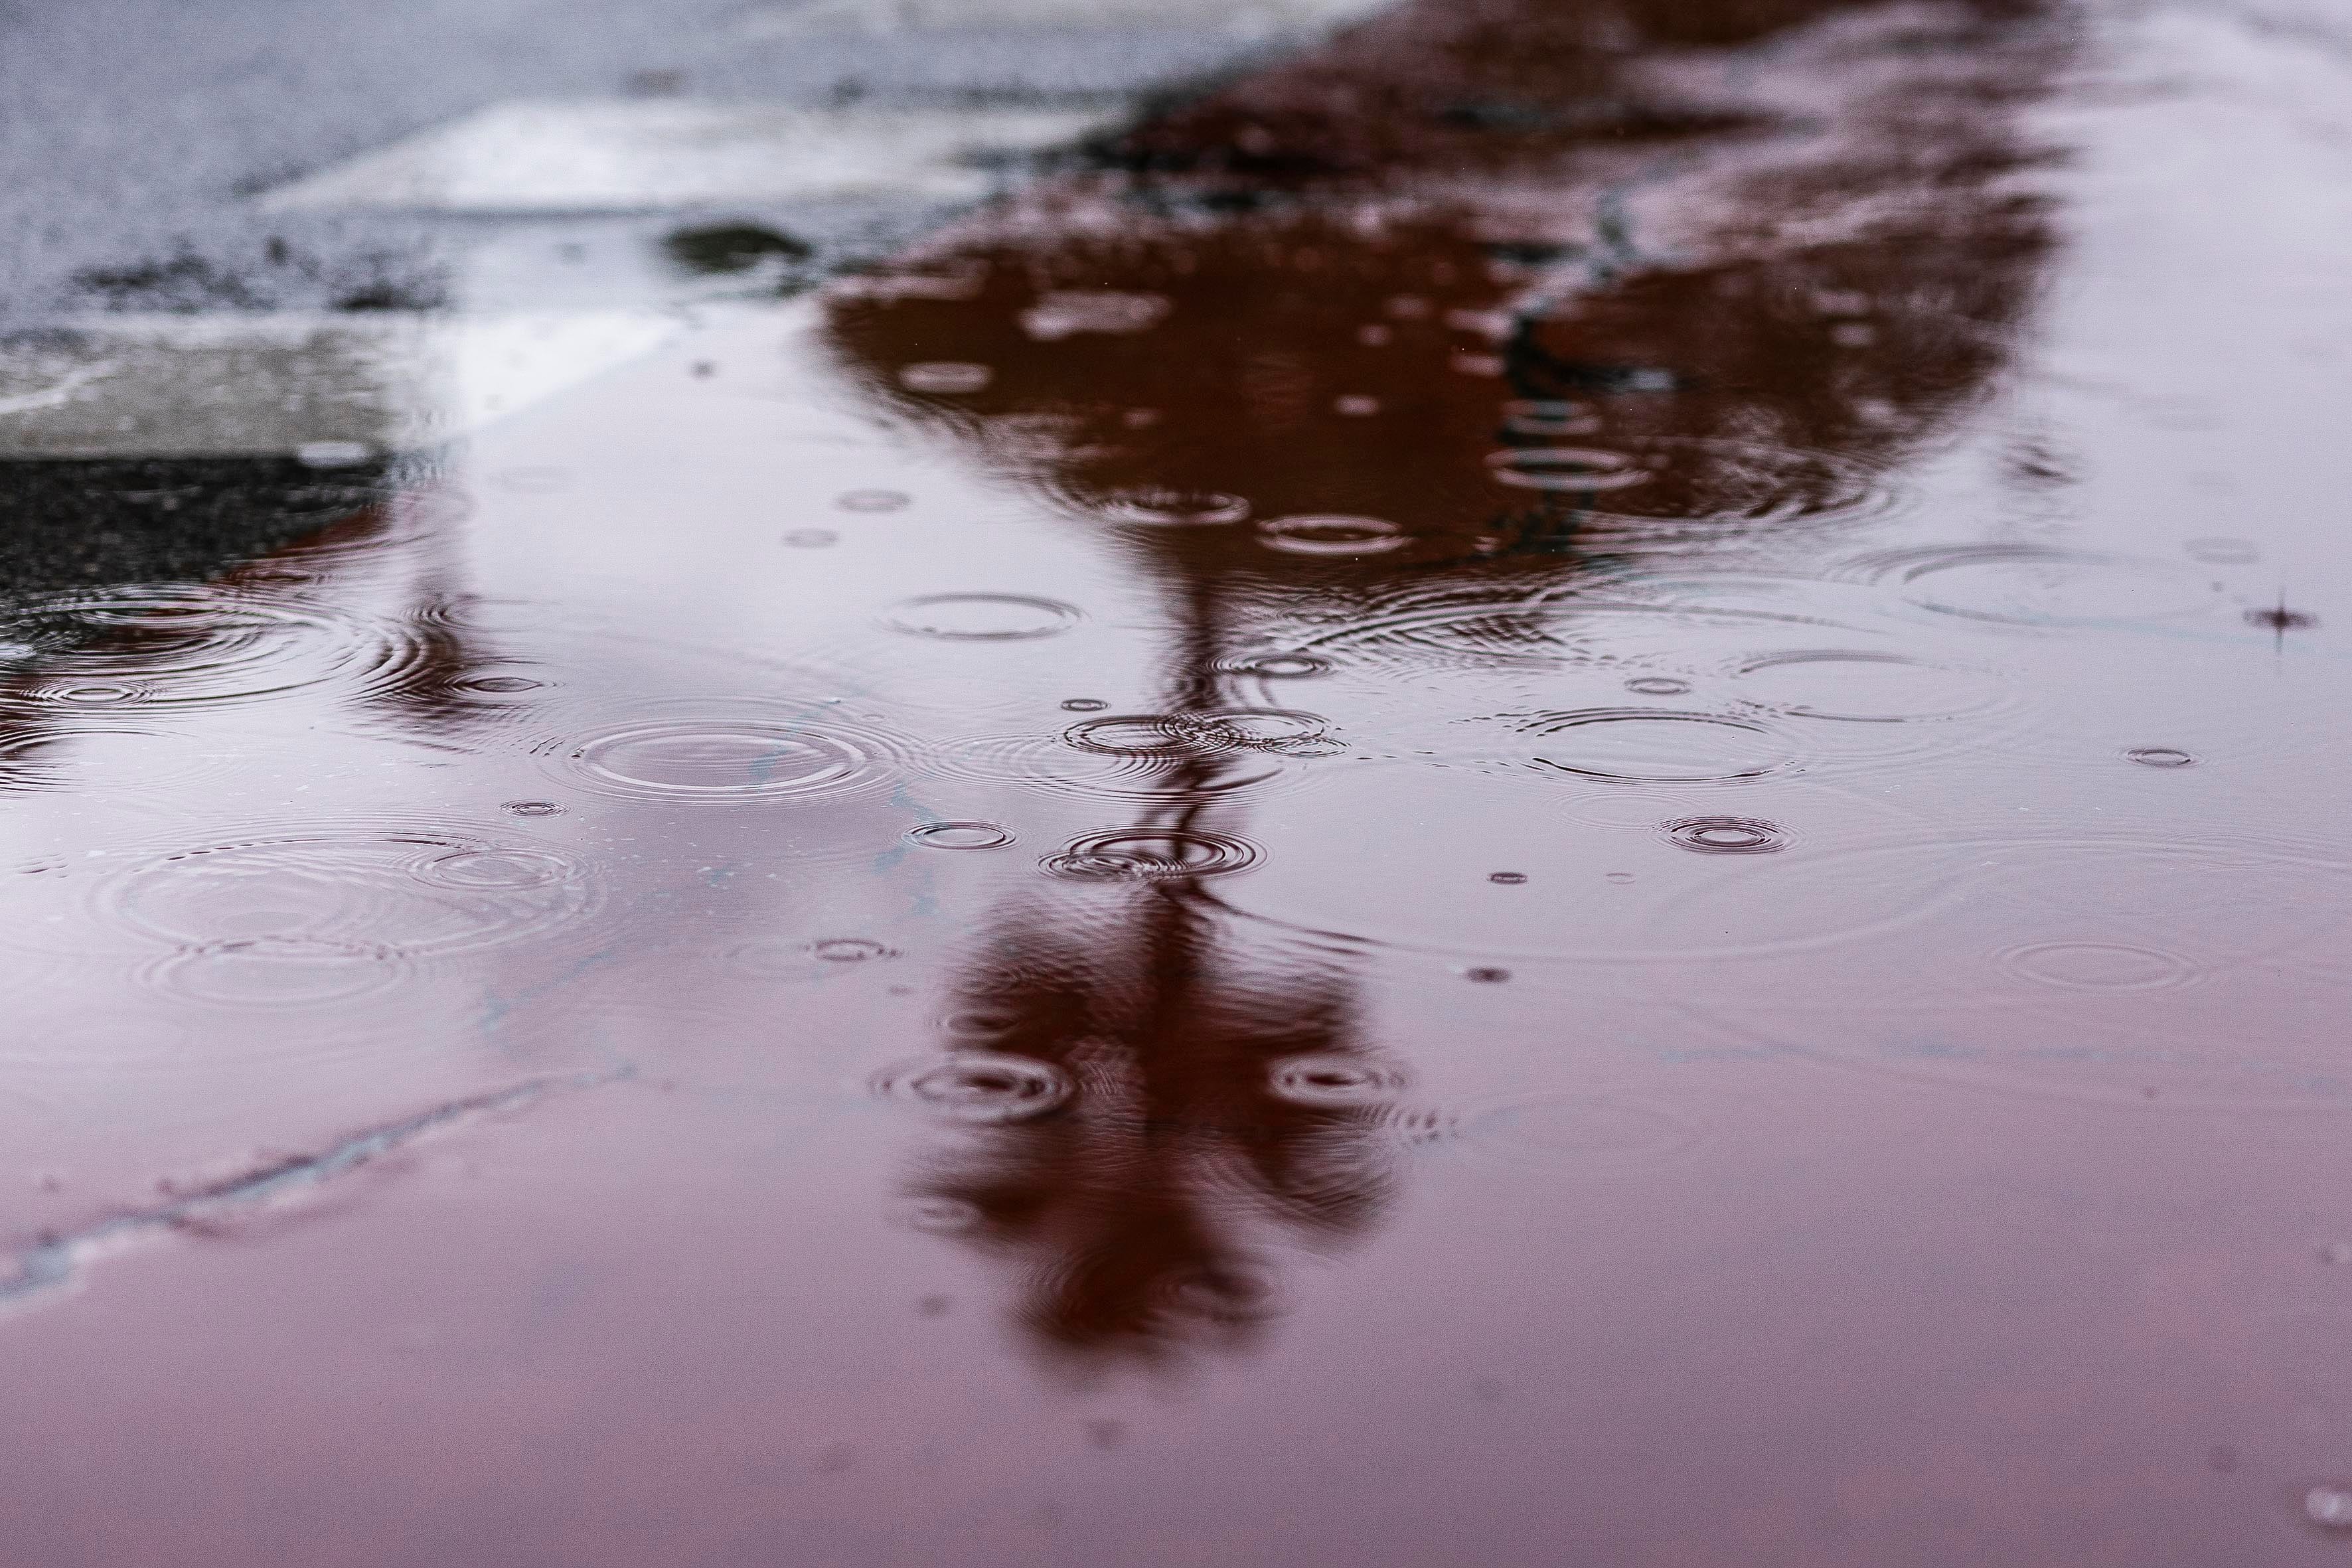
(1204, 1099)
(1525, 291)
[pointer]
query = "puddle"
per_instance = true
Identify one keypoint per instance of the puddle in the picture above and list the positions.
(1521, 754)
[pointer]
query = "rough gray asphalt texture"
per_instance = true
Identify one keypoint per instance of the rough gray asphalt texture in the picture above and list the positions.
(134, 132)
(134, 135)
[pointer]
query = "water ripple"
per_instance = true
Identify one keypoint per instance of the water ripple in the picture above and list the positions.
(978, 1088)
(1645, 745)
(201, 646)
(983, 617)
(2039, 585)
(732, 752)
(1141, 855)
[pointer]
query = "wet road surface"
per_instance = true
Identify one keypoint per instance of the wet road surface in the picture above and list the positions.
(1550, 785)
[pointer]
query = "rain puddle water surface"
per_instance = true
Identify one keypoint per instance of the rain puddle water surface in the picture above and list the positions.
(1551, 789)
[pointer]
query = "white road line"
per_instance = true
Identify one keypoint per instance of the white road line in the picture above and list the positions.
(648, 156)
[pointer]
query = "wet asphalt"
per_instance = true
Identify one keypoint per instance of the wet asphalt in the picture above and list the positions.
(141, 143)
(1271, 857)
(135, 135)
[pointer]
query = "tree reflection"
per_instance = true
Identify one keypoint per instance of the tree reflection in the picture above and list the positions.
(1205, 1095)
(1540, 292)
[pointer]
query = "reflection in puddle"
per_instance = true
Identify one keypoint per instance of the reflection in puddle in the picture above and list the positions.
(1454, 715)
(1498, 402)
(1192, 1102)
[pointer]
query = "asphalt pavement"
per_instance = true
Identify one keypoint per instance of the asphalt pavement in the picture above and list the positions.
(254, 257)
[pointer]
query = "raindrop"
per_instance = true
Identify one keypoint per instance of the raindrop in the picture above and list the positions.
(1234, 1295)
(1866, 688)
(1330, 535)
(945, 378)
(979, 1088)
(277, 970)
(1135, 855)
(2279, 618)
(1281, 730)
(532, 808)
(1331, 1081)
(497, 685)
(495, 868)
(94, 694)
(850, 950)
(1084, 705)
(960, 835)
(1726, 836)
(2035, 585)
(940, 1216)
(788, 959)
(1620, 877)
(981, 1023)
(1102, 773)
(1277, 664)
(1205, 733)
(2328, 1506)
(1176, 508)
(1487, 976)
(204, 644)
(2158, 757)
(1645, 745)
(1139, 735)
(2096, 967)
(1507, 878)
(812, 538)
(1356, 406)
(1566, 469)
(1658, 686)
(720, 758)
(983, 617)
(1652, 486)
(1542, 418)
(873, 501)
(346, 897)
(1067, 312)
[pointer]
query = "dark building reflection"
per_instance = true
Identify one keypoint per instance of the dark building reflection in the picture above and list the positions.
(1403, 290)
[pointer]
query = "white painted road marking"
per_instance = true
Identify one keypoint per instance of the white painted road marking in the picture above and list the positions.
(636, 155)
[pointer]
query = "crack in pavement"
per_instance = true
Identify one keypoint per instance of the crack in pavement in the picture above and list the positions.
(51, 1261)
